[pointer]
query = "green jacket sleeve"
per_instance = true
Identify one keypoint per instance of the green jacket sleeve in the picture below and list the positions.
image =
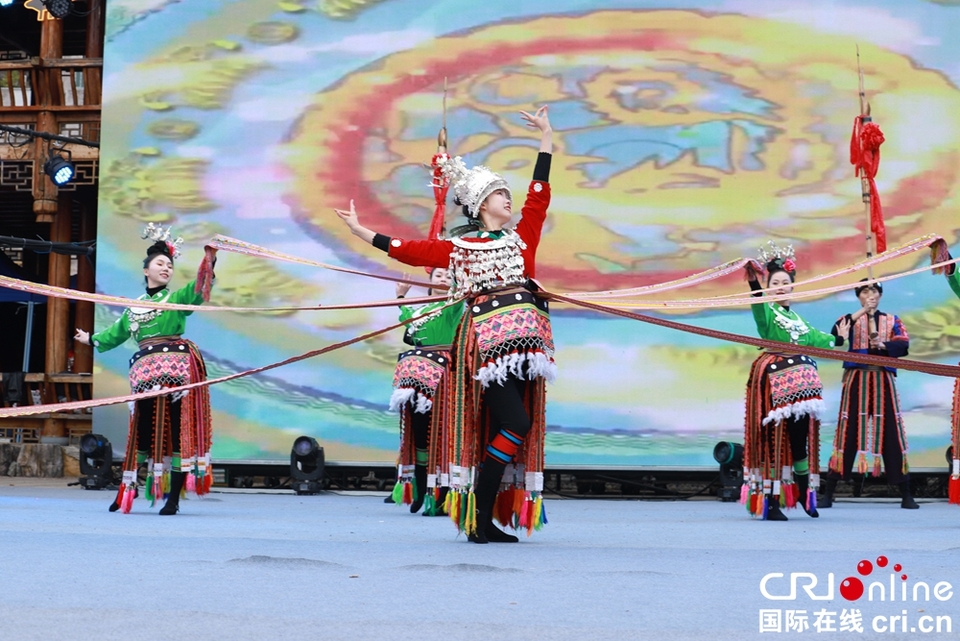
(761, 315)
(187, 296)
(113, 336)
(954, 280)
(821, 339)
(450, 317)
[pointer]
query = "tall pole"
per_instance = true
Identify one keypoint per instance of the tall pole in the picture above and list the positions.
(871, 246)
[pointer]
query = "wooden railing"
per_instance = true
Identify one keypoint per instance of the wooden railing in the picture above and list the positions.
(43, 389)
(51, 85)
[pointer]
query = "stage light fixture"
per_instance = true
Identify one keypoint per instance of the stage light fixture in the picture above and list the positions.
(949, 456)
(306, 465)
(59, 8)
(730, 457)
(96, 457)
(6, 3)
(60, 170)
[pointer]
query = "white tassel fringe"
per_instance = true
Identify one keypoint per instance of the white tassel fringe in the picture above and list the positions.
(813, 407)
(540, 366)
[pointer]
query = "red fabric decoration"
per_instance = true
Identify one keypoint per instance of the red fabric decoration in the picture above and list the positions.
(865, 141)
(205, 273)
(440, 188)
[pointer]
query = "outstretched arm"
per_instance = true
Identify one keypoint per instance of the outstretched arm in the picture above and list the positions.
(760, 311)
(353, 223)
(419, 253)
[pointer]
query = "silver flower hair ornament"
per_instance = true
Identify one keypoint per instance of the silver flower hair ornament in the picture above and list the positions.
(472, 186)
(785, 257)
(157, 233)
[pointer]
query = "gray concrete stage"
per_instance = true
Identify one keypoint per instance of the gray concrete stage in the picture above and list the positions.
(243, 565)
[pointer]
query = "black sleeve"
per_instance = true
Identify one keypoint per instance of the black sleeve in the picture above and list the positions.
(382, 242)
(541, 171)
(755, 287)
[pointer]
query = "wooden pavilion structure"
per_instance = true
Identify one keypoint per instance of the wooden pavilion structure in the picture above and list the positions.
(50, 81)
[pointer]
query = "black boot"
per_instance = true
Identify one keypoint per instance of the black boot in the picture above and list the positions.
(907, 501)
(828, 492)
(486, 491)
(774, 513)
(803, 484)
(172, 506)
(420, 481)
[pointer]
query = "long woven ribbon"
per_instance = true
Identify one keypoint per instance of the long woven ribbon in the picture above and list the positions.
(936, 369)
(28, 410)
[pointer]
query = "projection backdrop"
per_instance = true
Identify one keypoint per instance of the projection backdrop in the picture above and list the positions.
(687, 134)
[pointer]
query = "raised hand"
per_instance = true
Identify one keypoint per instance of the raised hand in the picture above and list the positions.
(82, 336)
(402, 289)
(353, 222)
(843, 327)
(349, 217)
(539, 120)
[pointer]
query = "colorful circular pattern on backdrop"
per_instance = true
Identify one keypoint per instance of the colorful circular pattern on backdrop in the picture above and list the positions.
(683, 140)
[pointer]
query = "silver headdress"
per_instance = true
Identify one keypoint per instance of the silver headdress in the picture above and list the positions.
(472, 186)
(157, 233)
(782, 257)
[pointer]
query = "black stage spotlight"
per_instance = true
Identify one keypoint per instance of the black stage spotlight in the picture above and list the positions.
(949, 456)
(96, 457)
(730, 458)
(306, 465)
(60, 170)
(58, 8)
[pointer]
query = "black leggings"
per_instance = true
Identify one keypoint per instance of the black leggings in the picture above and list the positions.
(145, 424)
(798, 430)
(505, 404)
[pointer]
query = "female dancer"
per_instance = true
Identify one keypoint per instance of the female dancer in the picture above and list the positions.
(420, 384)
(953, 278)
(503, 351)
(784, 401)
(172, 434)
(870, 423)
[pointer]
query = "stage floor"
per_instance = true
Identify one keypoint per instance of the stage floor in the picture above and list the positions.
(273, 566)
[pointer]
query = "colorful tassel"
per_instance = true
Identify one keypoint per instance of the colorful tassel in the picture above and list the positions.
(954, 490)
(862, 463)
(791, 491)
(462, 524)
(397, 494)
(811, 500)
(744, 494)
(538, 513)
(764, 514)
(148, 490)
(127, 503)
(447, 502)
(471, 513)
(876, 465)
(518, 499)
(191, 483)
(834, 461)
